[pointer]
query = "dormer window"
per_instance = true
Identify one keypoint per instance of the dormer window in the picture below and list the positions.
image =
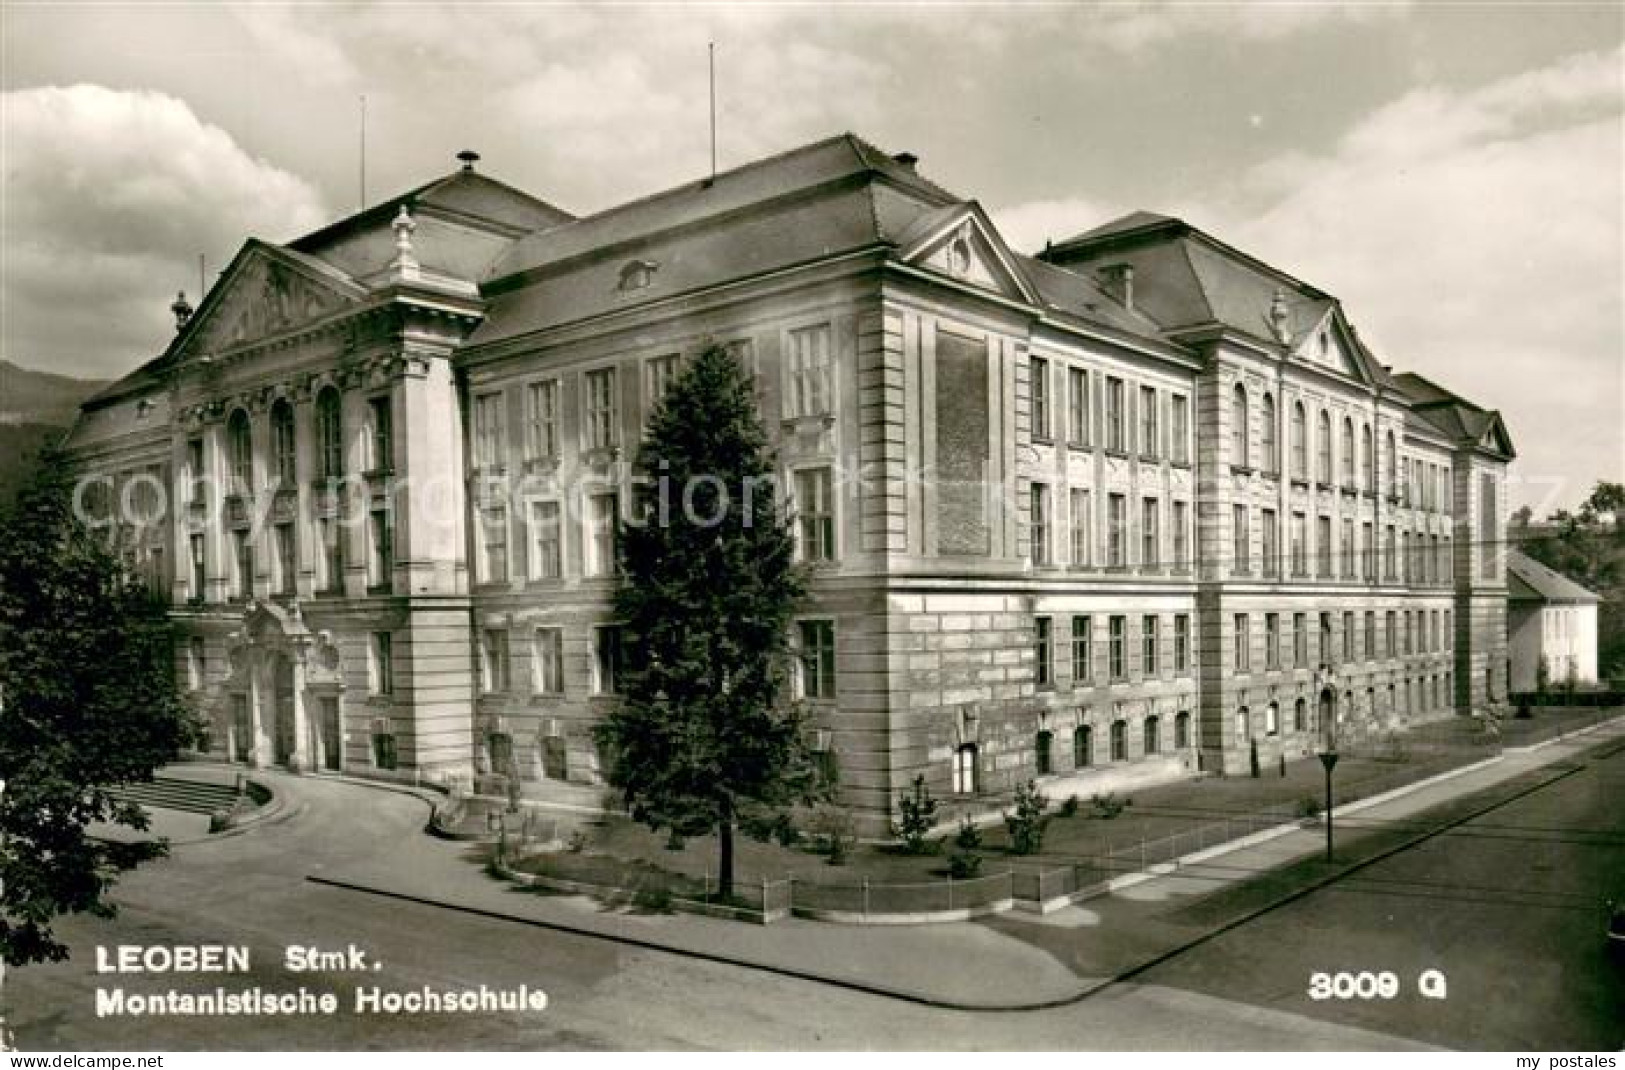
(637, 274)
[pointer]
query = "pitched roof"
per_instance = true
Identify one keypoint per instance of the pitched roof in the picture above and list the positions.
(1453, 414)
(463, 192)
(1530, 581)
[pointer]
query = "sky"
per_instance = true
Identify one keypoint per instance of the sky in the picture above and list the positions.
(1451, 171)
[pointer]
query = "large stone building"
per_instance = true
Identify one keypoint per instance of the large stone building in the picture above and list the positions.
(1138, 505)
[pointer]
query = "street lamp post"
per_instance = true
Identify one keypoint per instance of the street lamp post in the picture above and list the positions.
(1328, 758)
(1328, 752)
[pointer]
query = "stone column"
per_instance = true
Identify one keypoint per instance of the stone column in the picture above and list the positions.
(261, 749)
(299, 761)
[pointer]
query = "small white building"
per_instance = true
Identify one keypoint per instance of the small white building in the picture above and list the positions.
(1550, 617)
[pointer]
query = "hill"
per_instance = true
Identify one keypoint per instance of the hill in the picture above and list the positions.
(36, 408)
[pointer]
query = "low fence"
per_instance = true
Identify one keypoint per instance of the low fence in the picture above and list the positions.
(947, 899)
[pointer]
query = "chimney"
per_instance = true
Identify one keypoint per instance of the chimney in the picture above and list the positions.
(469, 158)
(182, 310)
(906, 160)
(1118, 280)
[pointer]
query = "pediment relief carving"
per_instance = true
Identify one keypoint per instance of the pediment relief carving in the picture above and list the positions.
(266, 298)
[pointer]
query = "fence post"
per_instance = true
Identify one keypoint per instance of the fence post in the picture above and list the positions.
(866, 897)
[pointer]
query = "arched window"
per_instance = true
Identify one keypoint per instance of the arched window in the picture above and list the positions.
(1323, 447)
(1182, 730)
(1044, 746)
(282, 441)
(1348, 452)
(1300, 716)
(1119, 741)
(240, 448)
(1300, 443)
(1392, 465)
(1153, 735)
(1271, 441)
(1244, 728)
(1083, 746)
(1272, 719)
(1238, 427)
(329, 435)
(1368, 467)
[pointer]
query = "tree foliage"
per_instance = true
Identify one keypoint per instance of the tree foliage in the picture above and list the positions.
(708, 593)
(1588, 546)
(89, 701)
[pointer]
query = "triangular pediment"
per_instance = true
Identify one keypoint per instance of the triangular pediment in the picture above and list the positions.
(1331, 345)
(1496, 437)
(960, 242)
(264, 293)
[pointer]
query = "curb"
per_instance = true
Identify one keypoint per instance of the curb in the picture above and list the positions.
(1566, 735)
(867, 988)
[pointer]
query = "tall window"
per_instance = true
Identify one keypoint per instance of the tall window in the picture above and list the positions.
(1044, 651)
(542, 419)
(658, 374)
(244, 547)
(381, 663)
(965, 777)
(1238, 426)
(197, 588)
(1082, 746)
(1271, 542)
(1323, 544)
(1150, 635)
(489, 431)
(815, 514)
(1244, 642)
(1368, 466)
(383, 434)
(1182, 642)
(1081, 529)
(194, 470)
(1179, 428)
(1391, 633)
(194, 663)
(240, 448)
(1300, 640)
(1039, 523)
(1181, 524)
(606, 659)
(287, 561)
(547, 661)
(283, 444)
(1371, 650)
(1348, 636)
(1116, 530)
(1240, 540)
(1043, 753)
(1323, 448)
(1150, 533)
(1115, 417)
(1348, 547)
(818, 660)
(1116, 654)
(1391, 465)
(381, 563)
(603, 521)
(809, 390)
(1271, 437)
(1300, 443)
(546, 548)
(495, 660)
(1077, 406)
(1348, 452)
(1182, 730)
(1083, 653)
(1150, 431)
(1272, 640)
(1038, 370)
(332, 555)
(1119, 741)
(494, 544)
(1153, 735)
(603, 410)
(329, 435)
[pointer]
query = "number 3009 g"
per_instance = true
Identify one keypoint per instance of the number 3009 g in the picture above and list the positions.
(1363, 985)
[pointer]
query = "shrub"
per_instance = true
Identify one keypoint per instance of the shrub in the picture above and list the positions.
(785, 831)
(832, 829)
(655, 899)
(969, 836)
(1309, 806)
(1069, 808)
(917, 816)
(1107, 806)
(964, 865)
(1026, 825)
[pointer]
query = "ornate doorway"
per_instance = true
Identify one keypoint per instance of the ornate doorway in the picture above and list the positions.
(276, 665)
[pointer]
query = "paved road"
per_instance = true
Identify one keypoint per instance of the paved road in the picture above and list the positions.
(250, 889)
(1507, 906)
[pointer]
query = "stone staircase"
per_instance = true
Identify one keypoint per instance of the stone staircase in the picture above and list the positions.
(189, 796)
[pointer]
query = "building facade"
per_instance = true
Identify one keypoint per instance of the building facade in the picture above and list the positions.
(1551, 624)
(1133, 507)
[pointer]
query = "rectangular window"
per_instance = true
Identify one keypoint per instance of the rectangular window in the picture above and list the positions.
(1182, 642)
(380, 419)
(1323, 544)
(815, 514)
(1241, 540)
(489, 430)
(1182, 536)
(1390, 553)
(1081, 541)
(194, 663)
(1116, 533)
(1044, 650)
(1150, 634)
(1150, 534)
(381, 562)
(658, 373)
(1244, 642)
(1326, 638)
(1370, 635)
(1116, 654)
(1391, 636)
(332, 556)
(1077, 406)
(197, 587)
(1272, 640)
(1150, 432)
(546, 541)
(603, 410)
(1300, 545)
(1300, 640)
(381, 664)
(1083, 652)
(287, 559)
(284, 446)
(809, 388)
(194, 470)
(542, 420)
(1039, 523)
(603, 533)
(494, 660)
(1489, 528)
(245, 565)
(1272, 549)
(1038, 369)
(818, 660)
(1348, 636)
(1179, 428)
(1369, 557)
(606, 659)
(547, 661)
(494, 544)
(1348, 547)
(1114, 415)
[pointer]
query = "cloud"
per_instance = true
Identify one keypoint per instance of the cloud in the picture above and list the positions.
(1135, 27)
(1027, 226)
(1475, 237)
(109, 197)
